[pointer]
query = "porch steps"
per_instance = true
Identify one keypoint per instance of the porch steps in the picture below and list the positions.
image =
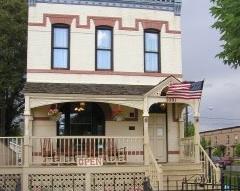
(174, 173)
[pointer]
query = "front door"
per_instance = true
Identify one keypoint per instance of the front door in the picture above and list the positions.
(157, 134)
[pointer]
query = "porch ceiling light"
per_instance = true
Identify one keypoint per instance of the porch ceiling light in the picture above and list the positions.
(162, 105)
(80, 108)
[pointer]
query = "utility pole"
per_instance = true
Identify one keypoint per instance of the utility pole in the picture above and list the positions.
(186, 119)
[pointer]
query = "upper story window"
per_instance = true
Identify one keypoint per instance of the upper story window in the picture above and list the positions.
(236, 139)
(228, 139)
(60, 46)
(216, 140)
(151, 51)
(104, 48)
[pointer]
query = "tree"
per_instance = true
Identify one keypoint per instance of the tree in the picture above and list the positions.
(227, 15)
(205, 143)
(13, 43)
(219, 150)
(237, 150)
(190, 130)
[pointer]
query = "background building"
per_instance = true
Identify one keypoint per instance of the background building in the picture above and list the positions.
(225, 136)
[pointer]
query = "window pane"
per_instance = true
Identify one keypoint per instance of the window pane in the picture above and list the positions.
(103, 59)
(104, 39)
(61, 37)
(151, 42)
(60, 58)
(151, 60)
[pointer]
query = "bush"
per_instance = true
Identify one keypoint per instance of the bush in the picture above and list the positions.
(219, 150)
(237, 150)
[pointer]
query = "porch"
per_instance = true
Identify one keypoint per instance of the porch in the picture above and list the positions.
(82, 151)
(57, 169)
(127, 129)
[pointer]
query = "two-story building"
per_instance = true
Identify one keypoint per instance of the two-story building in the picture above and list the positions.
(96, 111)
(224, 136)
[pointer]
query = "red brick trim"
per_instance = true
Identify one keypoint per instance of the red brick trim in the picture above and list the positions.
(174, 152)
(102, 21)
(41, 118)
(109, 21)
(61, 19)
(129, 153)
(155, 74)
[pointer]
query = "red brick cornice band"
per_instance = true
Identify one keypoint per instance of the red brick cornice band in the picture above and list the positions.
(109, 21)
(103, 73)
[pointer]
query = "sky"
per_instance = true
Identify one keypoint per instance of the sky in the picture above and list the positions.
(220, 106)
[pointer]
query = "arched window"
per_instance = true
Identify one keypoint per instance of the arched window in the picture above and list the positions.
(164, 91)
(60, 46)
(152, 50)
(104, 48)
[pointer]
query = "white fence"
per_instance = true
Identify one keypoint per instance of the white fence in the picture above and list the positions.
(187, 149)
(68, 150)
(11, 151)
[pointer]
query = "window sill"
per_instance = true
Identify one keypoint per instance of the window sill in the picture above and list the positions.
(154, 72)
(104, 70)
(60, 68)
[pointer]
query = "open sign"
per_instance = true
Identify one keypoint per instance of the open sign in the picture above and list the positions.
(88, 162)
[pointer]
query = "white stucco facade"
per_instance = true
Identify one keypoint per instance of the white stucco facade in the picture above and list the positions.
(128, 44)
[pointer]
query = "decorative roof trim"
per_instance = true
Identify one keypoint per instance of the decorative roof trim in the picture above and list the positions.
(157, 90)
(163, 5)
(110, 21)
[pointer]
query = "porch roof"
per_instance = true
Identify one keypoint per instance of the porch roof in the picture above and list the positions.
(89, 89)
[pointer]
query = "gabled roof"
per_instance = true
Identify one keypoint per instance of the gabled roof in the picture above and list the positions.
(88, 89)
(157, 90)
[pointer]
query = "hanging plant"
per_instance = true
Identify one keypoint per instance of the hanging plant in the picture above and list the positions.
(117, 114)
(54, 113)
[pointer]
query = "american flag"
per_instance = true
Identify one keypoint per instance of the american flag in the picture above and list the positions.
(185, 90)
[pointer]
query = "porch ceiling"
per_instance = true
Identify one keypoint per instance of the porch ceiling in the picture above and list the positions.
(88, 89)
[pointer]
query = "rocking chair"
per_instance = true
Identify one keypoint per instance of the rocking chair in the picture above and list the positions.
(47, 150)
(113, 154)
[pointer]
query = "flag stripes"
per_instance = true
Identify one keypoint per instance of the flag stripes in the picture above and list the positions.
(185, 90)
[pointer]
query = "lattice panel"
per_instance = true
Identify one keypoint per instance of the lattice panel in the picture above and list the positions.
(10, 182)
(117, 181)
(56, 182)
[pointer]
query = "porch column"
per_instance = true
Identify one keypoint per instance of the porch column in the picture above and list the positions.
(181, 128)
(146, 139)
(181, 136)
(27, 150)
(197, 139)
(27, 132)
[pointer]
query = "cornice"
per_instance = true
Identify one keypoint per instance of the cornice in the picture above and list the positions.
(163, 5)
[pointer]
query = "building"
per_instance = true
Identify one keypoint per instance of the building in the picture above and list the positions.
(229, 137)
(96, 110)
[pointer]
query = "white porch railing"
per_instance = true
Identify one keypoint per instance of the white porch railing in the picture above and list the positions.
(11, 151)
(67, 150)
(154, 172)
(187, 149)
(211, 172)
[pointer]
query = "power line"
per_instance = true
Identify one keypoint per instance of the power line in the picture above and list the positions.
(231, 119)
